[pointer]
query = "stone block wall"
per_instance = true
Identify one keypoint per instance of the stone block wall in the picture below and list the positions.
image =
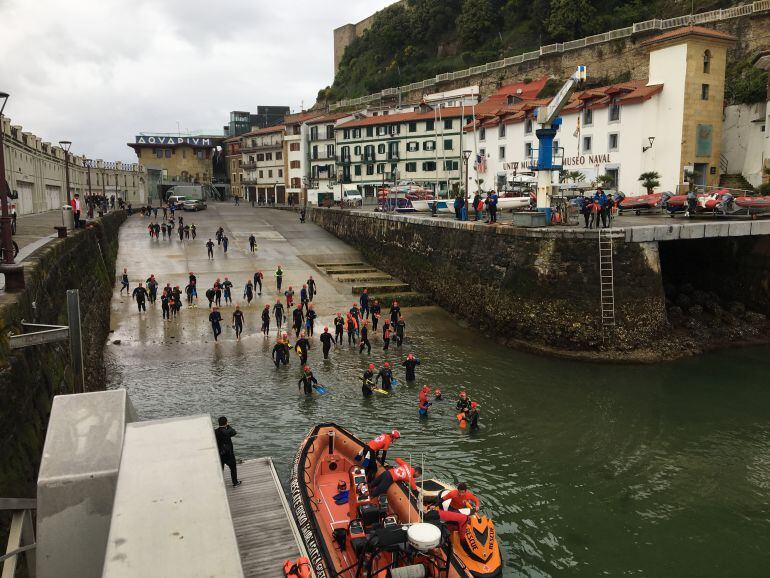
(30, 377)
(527, 289)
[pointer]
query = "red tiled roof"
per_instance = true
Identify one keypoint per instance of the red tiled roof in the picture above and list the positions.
(688, 30)
(266, 130)
(521, 90)
(299, 117)
(447, 112)
(329, 117)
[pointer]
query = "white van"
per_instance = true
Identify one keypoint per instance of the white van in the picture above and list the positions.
(177, 200)
(345, 195)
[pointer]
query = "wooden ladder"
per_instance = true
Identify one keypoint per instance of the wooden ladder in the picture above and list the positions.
(606, 284)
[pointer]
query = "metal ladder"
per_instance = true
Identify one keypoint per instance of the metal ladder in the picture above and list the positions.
(606, 284)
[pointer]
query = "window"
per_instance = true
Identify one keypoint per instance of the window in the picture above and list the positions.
(356, 133)
(613, 142)
(294, 146)
(429, 166)
(294, 165)
(586, 144)
(261, 174)
(411, 167)
(260, 157)
(448, 123)
(280, 173)
(588, 117)
(329, 151)
(369, 152)
(707, 62)
(501, 131)
(429, 145)
(270, 174)
(357, 170)
(369, 169)
(412, 146)
(451, 165)
(269, 156)
(201, 154)
(159, 153)
(429, 125)
(395, 129)
(278, 156)
(357, 151)
(528, 126)
(345, 153)
(482, 153)
(448, 144)
(329, 131)
(380, 168)
(412, 127)
(614, 110)
(381, 148)
(527, 150)
(314, 133)
(346, 133)
(482, 133)
(314, 155)
(381, 130)
(704, 91)
(501, 153)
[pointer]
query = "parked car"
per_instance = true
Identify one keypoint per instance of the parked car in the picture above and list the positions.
(194, 205)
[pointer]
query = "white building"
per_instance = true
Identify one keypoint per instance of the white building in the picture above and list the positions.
(322, 146)
(262, 165)
(745, 145)
(669, 123)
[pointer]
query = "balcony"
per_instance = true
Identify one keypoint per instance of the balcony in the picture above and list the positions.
(392, 155)
(370, 158)
(248, 166)
(345, 160)
(321, 156)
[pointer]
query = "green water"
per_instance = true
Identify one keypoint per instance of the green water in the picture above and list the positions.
(587, 470)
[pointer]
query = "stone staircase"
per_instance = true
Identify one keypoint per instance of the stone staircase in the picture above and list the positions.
(735, 181)
(380, 285)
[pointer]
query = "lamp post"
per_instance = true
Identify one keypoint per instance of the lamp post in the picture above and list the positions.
(65, 145)
(466, 156)
(6, 216)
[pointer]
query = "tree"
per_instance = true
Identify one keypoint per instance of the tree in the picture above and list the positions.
(649, 181)
(604, 181)
(745, 84)
(476, 22)
(575, 176)
(569, 19)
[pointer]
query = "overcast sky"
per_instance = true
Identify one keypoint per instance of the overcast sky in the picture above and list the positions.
(98, 72)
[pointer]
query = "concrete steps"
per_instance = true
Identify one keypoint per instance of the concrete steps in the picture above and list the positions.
(380, 285)
(405, 299)
(362, 277)
(343, 271)
(395, 287)
(735, 181)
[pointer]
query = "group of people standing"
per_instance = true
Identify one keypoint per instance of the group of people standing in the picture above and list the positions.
(479, 205)
(597, 210)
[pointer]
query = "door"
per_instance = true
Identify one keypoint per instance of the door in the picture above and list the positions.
(614, 174)
(701, 171)
(24, 202)
(52, 197)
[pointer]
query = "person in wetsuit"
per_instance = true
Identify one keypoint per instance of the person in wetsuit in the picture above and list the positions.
(386, 375)
(464, 403)
(238, 322)
(400, 328)
(252, 243)
(410, 364)
(248, 292)
(164, 306)
(215, 318)
(227, 288)
(352, 329)
(278, 277)
(339, 326)
(395, 311)
(326, 342)
(224, 435)
(307, 381)
(365, 339)
(302, 347)
(278, 312)
(258, 282)
(472, 417)
(209, 248)
(376, 311)
(386, 334)
(266, 320)
(312, 289)
(364, 302)
(298, 319)
(279, 353)
(152, 288)
(210, 294)
(367, 381)
(310, 318)
(303, 298)
(218, 293)
(140, 295)
(424, 404)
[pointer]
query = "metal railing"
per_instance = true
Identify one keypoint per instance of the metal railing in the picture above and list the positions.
(21, 537)
(636, 28)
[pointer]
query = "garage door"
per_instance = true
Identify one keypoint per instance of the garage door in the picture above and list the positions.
(52, 197)
(24, 202)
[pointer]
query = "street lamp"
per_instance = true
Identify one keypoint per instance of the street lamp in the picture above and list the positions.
(651, 139)
(466, 156)
(7, 241)
(66, 144)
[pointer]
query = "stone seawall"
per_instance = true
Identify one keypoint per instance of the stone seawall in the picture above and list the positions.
(526, 288)
(30, 377)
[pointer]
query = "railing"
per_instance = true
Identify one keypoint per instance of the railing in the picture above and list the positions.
(722, 163)
(21, 537)
(636, 28)
(345, 160)
(249, 166)
(321, 156)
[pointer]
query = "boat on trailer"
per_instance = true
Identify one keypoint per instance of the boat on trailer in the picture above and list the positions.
(350, 534)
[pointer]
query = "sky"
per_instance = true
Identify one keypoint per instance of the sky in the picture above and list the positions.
(99, 72)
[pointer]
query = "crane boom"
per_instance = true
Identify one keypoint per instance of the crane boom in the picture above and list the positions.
(546, 116)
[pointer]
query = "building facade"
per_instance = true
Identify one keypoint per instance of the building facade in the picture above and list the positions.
(322, 146)
(670, 124)
(233, 162)
(424, 146)
(263, 165)
(36, 174)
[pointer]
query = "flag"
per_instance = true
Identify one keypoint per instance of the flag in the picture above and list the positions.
(576, 134)
(481, 164)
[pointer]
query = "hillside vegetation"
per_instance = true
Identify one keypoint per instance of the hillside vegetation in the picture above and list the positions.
(417, 39)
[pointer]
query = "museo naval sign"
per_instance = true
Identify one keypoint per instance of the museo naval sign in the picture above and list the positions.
(195, 141)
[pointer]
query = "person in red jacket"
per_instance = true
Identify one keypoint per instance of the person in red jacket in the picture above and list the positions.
(423, 399)
(379, 444)
(403, 473)
(460, 497)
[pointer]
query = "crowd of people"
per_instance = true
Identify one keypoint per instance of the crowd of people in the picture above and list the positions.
(483, 207)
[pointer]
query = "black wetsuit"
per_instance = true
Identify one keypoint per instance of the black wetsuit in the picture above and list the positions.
(473, 418)
(310, 321)
(210, 296)
(298, 319)
(367, 384)
(386, 376)
(386, 335)
(164, 306)
(266, 321)
(306, 381)
(152, 289)
(278, 278)
(258, 282)
(339, 326)
(375, 310)
(464, 405)
(400, 327)
(365, 341)
(311, 288)
(302, 347)
(209, 248)
(238, 322)
(278, 312)
(326, 343)
(278, 355)
(351, 332)
(224, 437)
(140, 294)
(227, 288)
(215, 319)
(410, 364)
(395, 310)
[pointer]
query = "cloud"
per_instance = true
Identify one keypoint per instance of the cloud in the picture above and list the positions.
(97, 72)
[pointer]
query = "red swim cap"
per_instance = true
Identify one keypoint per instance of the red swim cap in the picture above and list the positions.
(474, 404)
(371, 366)
(387, 364)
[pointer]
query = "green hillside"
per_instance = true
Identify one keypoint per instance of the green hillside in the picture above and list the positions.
(417, 39)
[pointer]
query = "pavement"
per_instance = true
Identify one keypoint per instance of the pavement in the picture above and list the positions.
(282, 240)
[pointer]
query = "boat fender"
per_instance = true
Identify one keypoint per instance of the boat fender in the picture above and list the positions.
(424, 537)
(414, 571)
